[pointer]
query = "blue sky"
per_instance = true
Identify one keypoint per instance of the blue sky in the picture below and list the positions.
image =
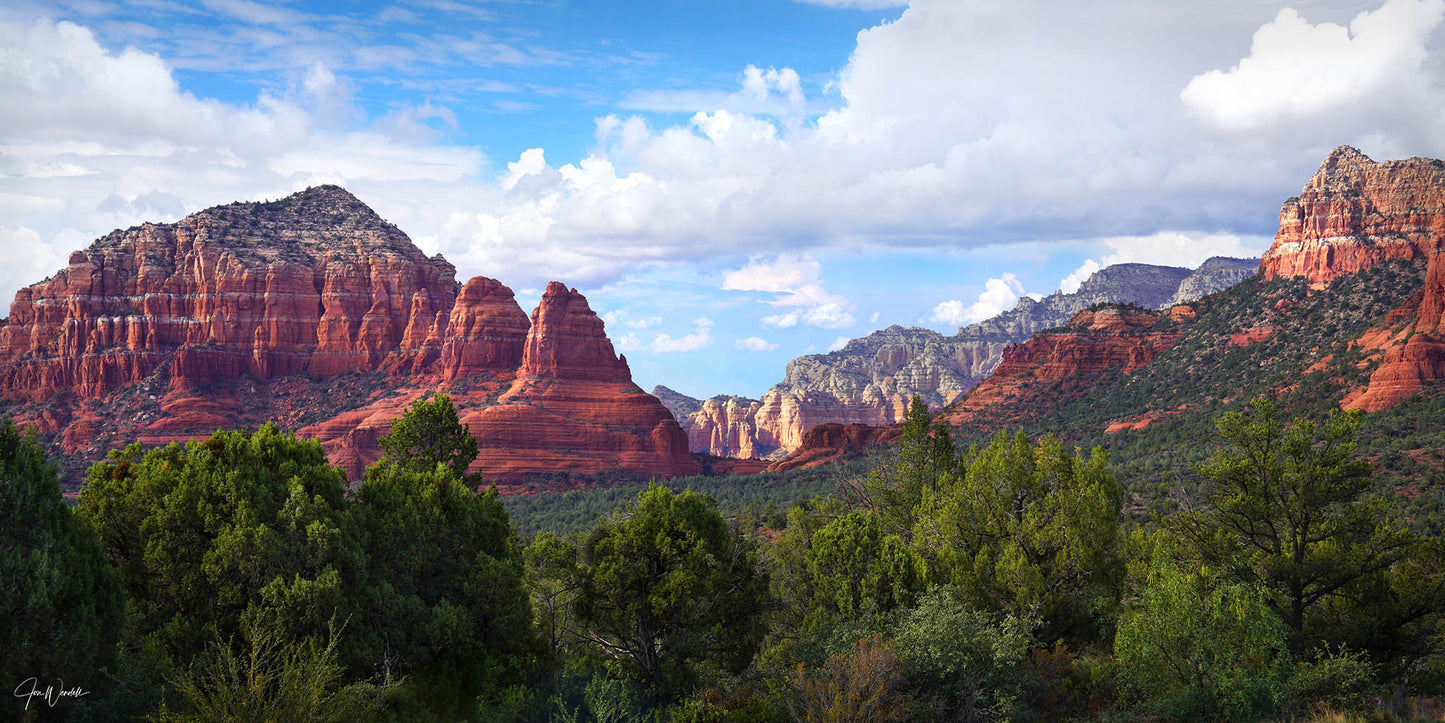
(731, 184)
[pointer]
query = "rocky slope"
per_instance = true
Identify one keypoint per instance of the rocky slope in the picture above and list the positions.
(1353, 215)
(872, 379)
(1346, 312)
(314, 311)
(723, 426)
(1106, 340)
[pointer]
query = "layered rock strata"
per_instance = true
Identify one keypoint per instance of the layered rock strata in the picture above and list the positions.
(166, 332)
(1354, 214)
(1094, 343)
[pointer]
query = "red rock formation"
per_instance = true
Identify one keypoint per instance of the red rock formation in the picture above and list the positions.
(1094, 342)
(265, 289)
(831, 442)
(487, 331)
(1356, 213)
(1414, 357)
(167, 332)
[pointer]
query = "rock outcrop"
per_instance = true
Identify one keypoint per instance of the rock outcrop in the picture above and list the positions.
(1109, 340)
(315, 283)
(165, 332)
(1356, 213)
(1414, 356)
(1212, 276)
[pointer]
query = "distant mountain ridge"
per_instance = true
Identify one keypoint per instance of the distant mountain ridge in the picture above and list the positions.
(872, 378)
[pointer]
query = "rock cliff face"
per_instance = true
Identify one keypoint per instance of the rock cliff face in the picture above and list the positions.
(1414, 356)
(871, 380)
(1108, 340)
(1214, 275)
(1355, 213)
(166, 332)
(316, 283)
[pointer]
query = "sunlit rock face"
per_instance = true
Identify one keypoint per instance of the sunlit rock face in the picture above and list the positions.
(255, 311)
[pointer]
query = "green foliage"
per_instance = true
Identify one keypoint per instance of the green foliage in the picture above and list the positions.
(961, 663)
(1197, 646)
(1029, 529)
(238, 528)
(60, 599)
(857, 568)
(444, 577)
(270, 680)
(1285, 511)
(429, 434)
(442, 597)
(665, 588)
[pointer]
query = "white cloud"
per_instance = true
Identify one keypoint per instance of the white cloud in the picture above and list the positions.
(1295, 69)
(781, 321)
(623, 317)
(664, 344)
(957, 124)
(661, 343)
(797, 279)
(532, 162)
(998, 295)
(754, 343)
(1071, 283)
(838, 343)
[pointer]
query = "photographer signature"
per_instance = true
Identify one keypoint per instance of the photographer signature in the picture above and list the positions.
(29, 689)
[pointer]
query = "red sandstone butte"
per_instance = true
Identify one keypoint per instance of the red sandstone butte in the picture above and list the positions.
(315, 312)
(1356, 213)
(1352, 215)
(831, 442)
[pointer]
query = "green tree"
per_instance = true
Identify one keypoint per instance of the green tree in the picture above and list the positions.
(666, 588)
(926, 461)
(1198, 646)
(60, 599)
(239, 528)
(857, 568)
(428, 434)
(442, 598)
(1030, 530)
(1286, 510)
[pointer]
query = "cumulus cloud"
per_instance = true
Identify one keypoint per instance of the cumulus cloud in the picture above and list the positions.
(796, 279)
(1296, 69)
(838, 343)
(826, 316)
(955, 124)
(754, 343)
(999, 295)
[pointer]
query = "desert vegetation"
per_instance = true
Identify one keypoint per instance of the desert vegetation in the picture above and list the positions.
(237, 578)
